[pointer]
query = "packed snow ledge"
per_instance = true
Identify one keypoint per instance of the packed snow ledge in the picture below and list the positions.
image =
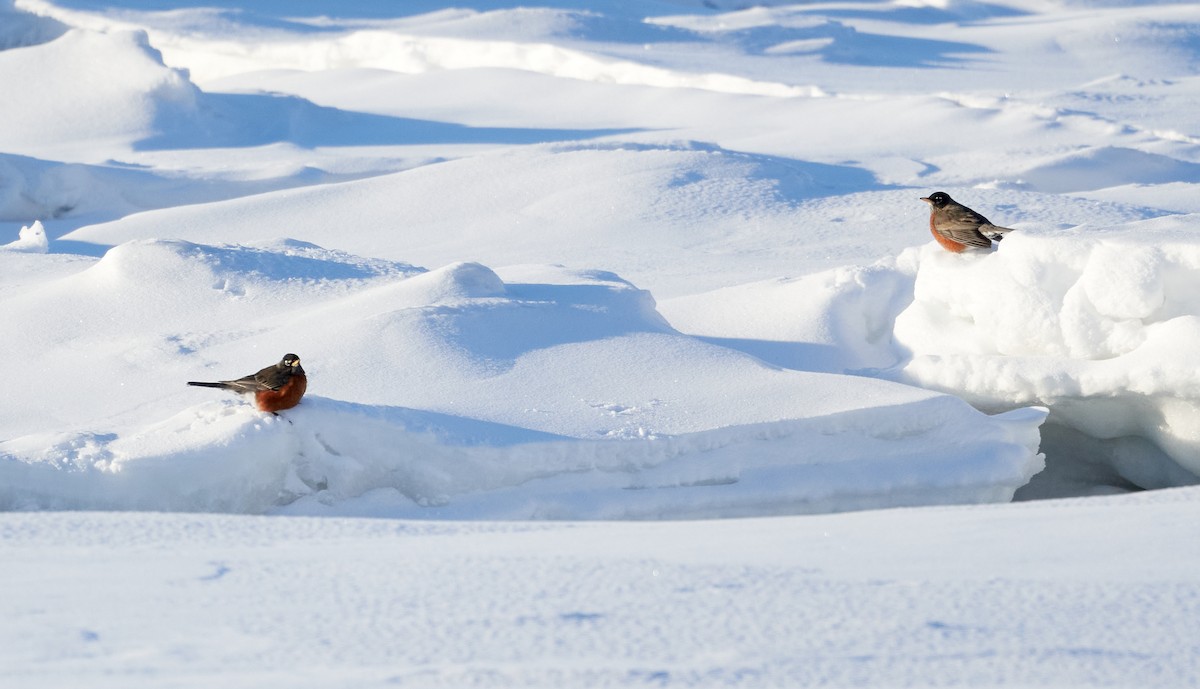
(1099, 324)
(529, 392)
(543, 392)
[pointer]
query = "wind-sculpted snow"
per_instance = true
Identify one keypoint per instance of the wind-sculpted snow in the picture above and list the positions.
(456, 393)
(682, 197)
(129, 95)
(647, 264)
(340, 458)
(1099, 324)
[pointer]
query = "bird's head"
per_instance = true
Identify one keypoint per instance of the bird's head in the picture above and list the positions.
(290, 361)
(937, 199)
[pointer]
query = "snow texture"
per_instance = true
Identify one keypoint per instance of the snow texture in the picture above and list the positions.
(626, 341)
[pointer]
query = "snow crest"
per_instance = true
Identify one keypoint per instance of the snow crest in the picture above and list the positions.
(338, 458)
(1100, 324)
(533, 392)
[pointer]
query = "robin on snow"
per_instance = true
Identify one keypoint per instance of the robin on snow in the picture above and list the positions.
(958, 228)
(274, 388)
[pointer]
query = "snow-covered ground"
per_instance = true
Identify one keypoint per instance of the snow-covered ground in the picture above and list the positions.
(660, 266)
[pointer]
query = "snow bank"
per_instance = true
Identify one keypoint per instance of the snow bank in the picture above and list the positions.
(415, 54)
(32, 188)
(128, 318)
(128, 92)
(620, 205)
(535, 39)
(20, 29)
(529, 392)
(1099, 324)
(339, 458)
(1101, 167)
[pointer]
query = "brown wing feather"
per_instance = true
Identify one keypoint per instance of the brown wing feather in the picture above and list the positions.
(967, 235)
(271, 378)
(958, 214)
(962, 224)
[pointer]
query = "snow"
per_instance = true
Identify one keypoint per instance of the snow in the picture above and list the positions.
(1092, 594)
(630, 358)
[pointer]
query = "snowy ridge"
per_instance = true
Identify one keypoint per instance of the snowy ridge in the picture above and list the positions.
(1100, 324)
(336, 458)
(1096, 323)
(210, 58)
(639, 438)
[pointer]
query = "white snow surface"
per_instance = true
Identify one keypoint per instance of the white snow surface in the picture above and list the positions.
(602, 306)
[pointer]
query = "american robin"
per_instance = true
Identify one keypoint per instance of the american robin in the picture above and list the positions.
(274, 388)
(958, 228)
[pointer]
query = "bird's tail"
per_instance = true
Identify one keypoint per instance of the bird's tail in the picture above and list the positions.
(994, 232)
(222, 386)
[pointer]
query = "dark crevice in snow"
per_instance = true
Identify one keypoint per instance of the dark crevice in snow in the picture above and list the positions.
(1079, 465)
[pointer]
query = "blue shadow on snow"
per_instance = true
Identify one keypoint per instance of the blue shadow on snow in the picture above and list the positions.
(229, 120)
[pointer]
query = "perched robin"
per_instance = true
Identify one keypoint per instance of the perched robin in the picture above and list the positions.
(958, 228)
(274, 388)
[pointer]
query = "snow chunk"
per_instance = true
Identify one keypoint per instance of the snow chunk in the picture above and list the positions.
(1099, 324)
(32, 239)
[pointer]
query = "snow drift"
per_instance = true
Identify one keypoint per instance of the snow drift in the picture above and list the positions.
(337, 458)
(129, 94)
(532, 392)
(1099, 324)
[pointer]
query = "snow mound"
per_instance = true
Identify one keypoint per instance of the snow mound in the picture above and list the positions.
(530, 391)
(337, 458)
(32, 239)
(834, 321)
(145, 304)
(128, 92)
(1107, 166)
(520, 38)
(136, 103)
(1099, 324)
(31, 188)
(20, 29)
(240, 277)
(723, 209)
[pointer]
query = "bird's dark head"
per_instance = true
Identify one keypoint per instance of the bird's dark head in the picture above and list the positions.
(937, 199)
(291, 361)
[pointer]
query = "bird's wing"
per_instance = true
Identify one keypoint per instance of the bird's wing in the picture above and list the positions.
(958, 214)
(270, 378)
(251, 383)
(967, 235)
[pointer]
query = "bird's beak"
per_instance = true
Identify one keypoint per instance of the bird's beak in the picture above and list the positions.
(926, 199)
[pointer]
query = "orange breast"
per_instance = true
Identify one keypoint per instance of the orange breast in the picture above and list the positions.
(947, 243)
(285, 397)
